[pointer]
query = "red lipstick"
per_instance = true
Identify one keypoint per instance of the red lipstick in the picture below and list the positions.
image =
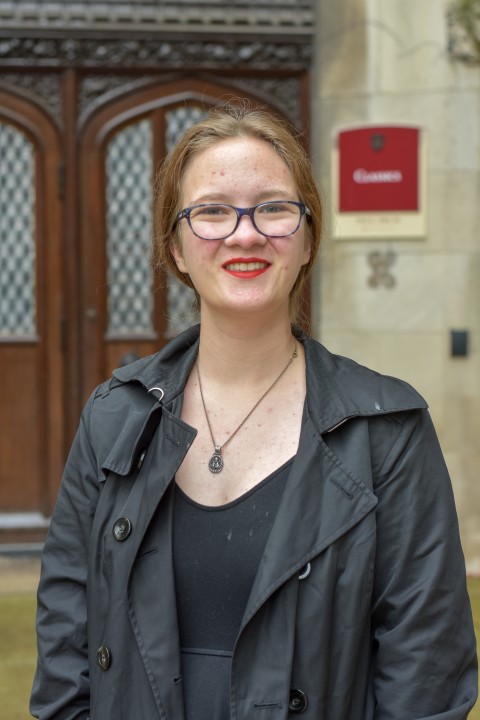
(246, 268)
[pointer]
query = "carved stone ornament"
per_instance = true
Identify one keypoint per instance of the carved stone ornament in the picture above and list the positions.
(464, 31)
(42, 88)
(96, 89)
(181, 16)
(161, 54)
(381, 263)
(284, 92)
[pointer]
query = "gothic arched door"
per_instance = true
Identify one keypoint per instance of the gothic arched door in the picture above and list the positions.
(32, 372)
(127, 311)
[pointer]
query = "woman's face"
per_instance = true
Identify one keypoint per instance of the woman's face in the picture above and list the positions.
(247, 271)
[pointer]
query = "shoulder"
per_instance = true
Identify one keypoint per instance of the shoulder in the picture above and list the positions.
(347, 389)
(119, 412)
(142, 381)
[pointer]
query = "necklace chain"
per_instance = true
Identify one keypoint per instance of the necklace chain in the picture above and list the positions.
(215, 464)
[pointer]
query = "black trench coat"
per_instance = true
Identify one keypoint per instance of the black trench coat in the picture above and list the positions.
(359, 608)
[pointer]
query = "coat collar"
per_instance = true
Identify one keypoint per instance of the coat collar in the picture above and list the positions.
(338, 388)
(167, 370)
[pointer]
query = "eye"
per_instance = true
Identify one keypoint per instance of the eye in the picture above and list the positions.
(277, 208)
(210, 211)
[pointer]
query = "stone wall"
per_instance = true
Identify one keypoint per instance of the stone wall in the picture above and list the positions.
(388, 62)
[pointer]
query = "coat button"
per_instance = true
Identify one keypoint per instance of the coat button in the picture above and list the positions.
(104, 659)
(122, 529)
(298, 701)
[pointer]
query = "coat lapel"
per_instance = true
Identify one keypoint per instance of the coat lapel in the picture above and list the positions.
(321, 502)
(151, 587)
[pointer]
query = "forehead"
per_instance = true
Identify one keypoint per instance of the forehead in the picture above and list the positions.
(227, 165)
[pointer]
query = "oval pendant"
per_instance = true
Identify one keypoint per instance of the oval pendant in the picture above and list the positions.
(215, 464)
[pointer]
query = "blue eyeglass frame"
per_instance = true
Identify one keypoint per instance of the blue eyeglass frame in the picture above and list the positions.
(185, 213)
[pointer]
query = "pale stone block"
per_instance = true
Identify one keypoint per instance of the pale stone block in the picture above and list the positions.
(471, 410)
(463, 467)
(350, 301)
(342, 47)
(462, 380)
(413, 48)
(453, 210)
(415, 358)
(461, 297)
(463, 433)
(389, 46)
(412, 45)
(450, 119)
(461, 76)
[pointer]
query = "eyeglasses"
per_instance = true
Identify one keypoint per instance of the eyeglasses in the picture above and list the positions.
(275, 219)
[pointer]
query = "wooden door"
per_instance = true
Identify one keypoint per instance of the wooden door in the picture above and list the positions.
(31, 391)
(127, 311)
(78, 296)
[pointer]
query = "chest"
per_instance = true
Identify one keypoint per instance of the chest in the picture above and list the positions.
(251, 448)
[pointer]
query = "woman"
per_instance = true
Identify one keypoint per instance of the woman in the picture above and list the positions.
(249, 526)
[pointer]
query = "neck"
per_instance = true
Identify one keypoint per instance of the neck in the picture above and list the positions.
(230, 351)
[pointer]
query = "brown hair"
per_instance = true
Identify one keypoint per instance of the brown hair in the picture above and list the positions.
(224, 123)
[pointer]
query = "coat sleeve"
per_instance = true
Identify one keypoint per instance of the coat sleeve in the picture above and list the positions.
(424, 643)
(61, 684)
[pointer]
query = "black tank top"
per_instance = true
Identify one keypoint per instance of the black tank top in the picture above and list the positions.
(216, 552)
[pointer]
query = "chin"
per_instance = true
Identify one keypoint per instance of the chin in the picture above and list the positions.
(257, 304)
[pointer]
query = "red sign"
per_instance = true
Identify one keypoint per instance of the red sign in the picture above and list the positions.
(379, 169)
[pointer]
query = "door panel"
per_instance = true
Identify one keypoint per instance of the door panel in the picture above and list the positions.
(31, 418)
(129, 310)
(20, 351)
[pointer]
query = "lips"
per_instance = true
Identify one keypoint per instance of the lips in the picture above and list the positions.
(246, 267)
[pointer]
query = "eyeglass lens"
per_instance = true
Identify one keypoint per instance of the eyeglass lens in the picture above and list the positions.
(213, 222)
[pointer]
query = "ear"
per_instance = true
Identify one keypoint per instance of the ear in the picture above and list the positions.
(307, 250)
(176, 251)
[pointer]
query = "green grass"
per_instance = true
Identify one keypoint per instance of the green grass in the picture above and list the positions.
(17, 661)
(474, 591)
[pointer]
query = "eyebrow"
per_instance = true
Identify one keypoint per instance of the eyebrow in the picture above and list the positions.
(222, 199)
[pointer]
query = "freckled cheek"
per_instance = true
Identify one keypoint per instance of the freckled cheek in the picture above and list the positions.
(203, 259)
(291, 256)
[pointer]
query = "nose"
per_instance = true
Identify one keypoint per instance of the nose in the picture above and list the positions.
(246, 235)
